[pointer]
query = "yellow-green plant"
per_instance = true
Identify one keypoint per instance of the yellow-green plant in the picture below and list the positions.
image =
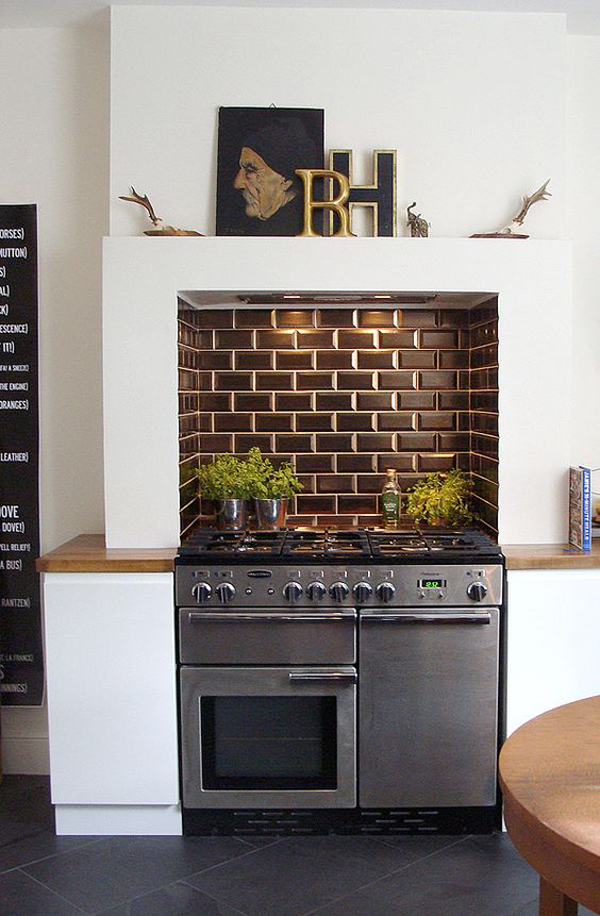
(265, 482)
(225, 478)
(441, 496)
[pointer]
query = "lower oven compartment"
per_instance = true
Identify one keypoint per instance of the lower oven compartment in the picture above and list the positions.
(429, 690)
(268, 737)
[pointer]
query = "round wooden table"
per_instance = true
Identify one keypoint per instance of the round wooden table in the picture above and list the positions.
(550, 776)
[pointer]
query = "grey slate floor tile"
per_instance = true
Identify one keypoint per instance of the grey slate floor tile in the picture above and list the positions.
(45, 875)
(532, 910)
(27, 823)
(174, 900)
(482, 876)
(300, 874)
(116, 869)
(22, 896)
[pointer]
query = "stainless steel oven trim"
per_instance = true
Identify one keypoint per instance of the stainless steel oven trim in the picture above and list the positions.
(439, 618)
(260, 617)
(255, 681)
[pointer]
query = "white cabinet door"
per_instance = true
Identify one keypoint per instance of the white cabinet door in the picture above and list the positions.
(110, 647)
(553, 652)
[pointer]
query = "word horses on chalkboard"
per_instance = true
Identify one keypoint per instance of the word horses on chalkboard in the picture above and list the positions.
(21, 659)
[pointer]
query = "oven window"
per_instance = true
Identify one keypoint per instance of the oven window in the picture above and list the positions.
(269, 742)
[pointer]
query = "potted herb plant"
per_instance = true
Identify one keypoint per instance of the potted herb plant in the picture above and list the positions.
(441, 499)
(225, 482)
(271, 489)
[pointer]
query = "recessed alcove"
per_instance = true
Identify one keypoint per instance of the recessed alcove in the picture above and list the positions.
(145, 279)
(343, 386)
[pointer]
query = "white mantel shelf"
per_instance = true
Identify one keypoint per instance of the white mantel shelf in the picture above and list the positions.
(142, 277)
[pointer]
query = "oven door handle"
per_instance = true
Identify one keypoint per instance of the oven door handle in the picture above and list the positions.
(234, 617)
(428, 618)
(312, 675)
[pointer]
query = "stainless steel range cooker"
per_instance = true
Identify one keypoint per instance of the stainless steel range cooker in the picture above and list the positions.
(345, 681)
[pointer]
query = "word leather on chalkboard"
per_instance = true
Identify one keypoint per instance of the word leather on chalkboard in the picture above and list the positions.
(21, 659)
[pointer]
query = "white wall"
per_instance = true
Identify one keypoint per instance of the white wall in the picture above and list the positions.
(532, 280)
(583, 190)
(54, 152)
(473, 102)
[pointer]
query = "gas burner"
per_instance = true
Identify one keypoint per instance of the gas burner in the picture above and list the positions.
(209, 542)
(327, 542)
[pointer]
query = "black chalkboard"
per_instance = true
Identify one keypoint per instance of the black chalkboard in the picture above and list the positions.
(21, 659)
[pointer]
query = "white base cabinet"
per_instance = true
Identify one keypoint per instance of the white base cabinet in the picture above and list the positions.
(112, 699)
(553, 652)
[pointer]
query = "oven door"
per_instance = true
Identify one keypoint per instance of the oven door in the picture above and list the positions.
(269, 737)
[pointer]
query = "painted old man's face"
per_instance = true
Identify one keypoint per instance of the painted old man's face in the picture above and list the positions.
(264, 190)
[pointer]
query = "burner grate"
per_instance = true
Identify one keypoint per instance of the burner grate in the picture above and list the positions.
(330, 543)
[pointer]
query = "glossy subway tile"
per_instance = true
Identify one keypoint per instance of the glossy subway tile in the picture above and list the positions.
(335, 359)
(377, 359)
(275, 340)
(274, 422)
(314, 381)
(274, 381)
(300, 401)
(295, 359)
(234, 422)
(398, 340)
(334, 483)
(336, 318)
(295, 318)
(254, 318)
(417, 359)
(438, 340)
(234, 340)
(213, 318)
(315, 422)
(251, 359)
(355, 422)
(254, 401)
(376, 318)
(396, 421)
(355, 340)
(342, 394)
(418, 318)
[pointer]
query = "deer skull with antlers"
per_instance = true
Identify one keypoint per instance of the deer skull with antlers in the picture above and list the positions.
(512, 231)
(156, 220)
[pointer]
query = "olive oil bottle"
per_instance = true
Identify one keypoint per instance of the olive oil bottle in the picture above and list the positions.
(391, 497)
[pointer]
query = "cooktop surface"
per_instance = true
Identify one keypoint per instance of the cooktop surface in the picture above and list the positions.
(323, 544)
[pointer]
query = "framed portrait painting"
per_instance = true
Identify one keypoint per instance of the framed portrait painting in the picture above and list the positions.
(258, 192)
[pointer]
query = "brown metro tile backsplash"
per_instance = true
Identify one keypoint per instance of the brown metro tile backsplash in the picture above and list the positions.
(343, 394)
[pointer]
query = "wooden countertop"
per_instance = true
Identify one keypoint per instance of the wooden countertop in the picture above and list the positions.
(549, 772)
(551, 556)
(88, 553)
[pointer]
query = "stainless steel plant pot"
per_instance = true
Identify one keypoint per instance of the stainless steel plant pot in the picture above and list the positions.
(232, 514)
(271, 513)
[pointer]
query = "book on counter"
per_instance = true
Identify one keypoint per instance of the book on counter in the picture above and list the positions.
(580, 508)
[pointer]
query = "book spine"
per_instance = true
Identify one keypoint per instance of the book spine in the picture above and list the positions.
(586, 509)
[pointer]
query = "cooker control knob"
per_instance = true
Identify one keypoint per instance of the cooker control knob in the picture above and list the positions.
(477, 591)
(339, 591)
(201, 592)
(362, 592)
(292, 592)
(225, 592)
(385, 592)
(316, 591)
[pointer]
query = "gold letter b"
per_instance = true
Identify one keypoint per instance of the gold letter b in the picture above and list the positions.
(336, 205)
